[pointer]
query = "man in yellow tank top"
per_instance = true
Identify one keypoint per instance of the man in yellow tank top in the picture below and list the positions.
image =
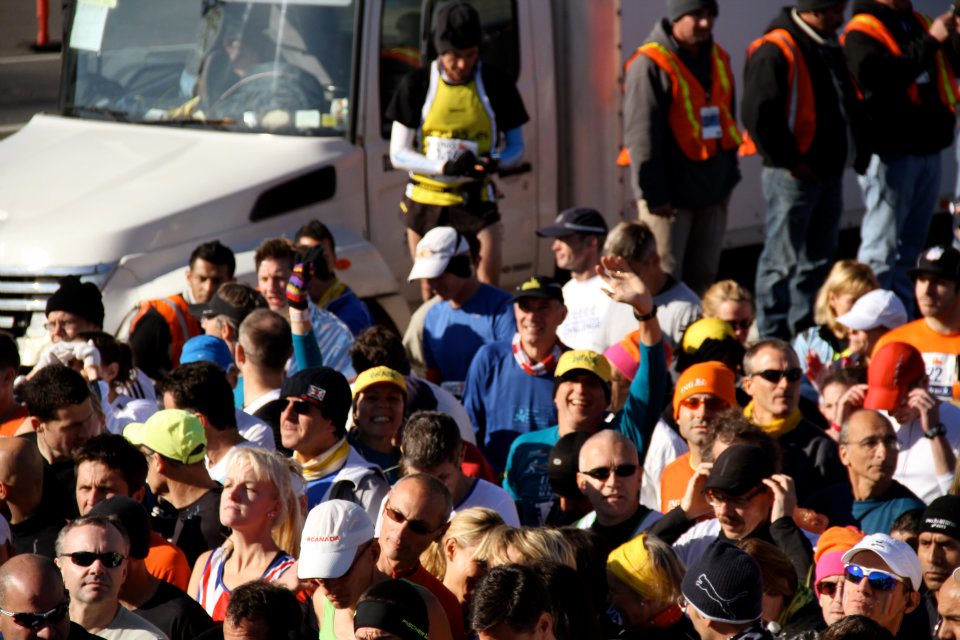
(455, 123)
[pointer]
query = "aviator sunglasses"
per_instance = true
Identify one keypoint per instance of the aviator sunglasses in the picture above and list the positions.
(38, 620)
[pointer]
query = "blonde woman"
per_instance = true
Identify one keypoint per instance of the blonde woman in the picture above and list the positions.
(527, 546)
(260, 504)
(728, 301)
(823, 343)
(453, 559)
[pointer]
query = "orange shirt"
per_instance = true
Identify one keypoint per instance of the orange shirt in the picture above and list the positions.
(9, 428)
(673, 482)
(939, 354)
(167, 562)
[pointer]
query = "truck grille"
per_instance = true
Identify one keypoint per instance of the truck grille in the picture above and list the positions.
(22, 294)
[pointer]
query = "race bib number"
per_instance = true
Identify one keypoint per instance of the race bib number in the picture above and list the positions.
(446, 149)
(942, 371)
(710, 123)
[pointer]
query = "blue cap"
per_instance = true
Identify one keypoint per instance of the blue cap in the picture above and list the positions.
(207, 349)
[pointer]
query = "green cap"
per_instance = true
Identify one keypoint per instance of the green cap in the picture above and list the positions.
(172, 433)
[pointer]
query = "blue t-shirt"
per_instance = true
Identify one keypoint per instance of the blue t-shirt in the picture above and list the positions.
(452, 336)
(503, 401)
(877, 516)
(352, 310)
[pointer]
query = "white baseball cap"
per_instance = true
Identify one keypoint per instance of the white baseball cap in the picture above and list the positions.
(333, 532)
(435, 250)
(877, 308)
(899, 556)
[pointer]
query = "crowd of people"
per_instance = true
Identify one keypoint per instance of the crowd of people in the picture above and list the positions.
(639, 452)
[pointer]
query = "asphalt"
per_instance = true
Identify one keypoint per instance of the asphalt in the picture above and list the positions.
(29, 78)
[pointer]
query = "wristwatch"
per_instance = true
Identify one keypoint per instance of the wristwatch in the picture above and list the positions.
(646, 316)
(935, 431)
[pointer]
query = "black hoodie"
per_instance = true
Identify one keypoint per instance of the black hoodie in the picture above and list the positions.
(891, 123)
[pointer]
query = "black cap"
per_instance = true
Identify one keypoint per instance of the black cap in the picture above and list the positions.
(539, 287)
(456, 25)
(942, 261)
(817, 5)
(942, 516)
(564, 462)
(220, 307)
(79, 298)
(739, 469)
(578, 220)
(322, 387)
(134, 519)
(724, 584)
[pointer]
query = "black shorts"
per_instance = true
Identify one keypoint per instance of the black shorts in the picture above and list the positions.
(470, 219)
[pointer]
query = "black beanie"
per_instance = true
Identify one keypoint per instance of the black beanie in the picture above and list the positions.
(676, 9)
(456, 26)
(942, 516)
(79, 298)
(724, 584)
(817, 5)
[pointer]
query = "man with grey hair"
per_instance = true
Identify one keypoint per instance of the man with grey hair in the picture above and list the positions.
(92, 556)
(609, 476)
(34, 601)
(264, 346)
(414, 515)
(677, 305)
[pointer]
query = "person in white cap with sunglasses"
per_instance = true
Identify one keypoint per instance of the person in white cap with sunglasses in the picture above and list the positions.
(882, 576)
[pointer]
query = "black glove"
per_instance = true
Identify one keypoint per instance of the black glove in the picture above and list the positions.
(462, 166)
(490, 164)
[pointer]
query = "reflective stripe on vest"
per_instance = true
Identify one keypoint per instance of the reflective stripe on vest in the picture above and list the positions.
(946, 79)
(181, 323)
(689, 98)
(801, 109)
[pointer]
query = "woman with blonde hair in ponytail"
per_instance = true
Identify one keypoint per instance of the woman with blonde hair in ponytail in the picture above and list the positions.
(453, 559)
(260, 504)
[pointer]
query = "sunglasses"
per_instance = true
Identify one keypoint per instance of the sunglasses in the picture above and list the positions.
(879, 580)
(712, 404)
(39, 620)
(828, 589)
(742, 325)
(300, 407)
(417, 526)
(602, 473)
(776, 375)
(110, 559)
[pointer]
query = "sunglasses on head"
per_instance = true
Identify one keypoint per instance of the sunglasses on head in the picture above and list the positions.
(417, 526)
(878, 580)
(602, 473)
(712, 404)
(776, 375)
(38, 620)
(110, 559)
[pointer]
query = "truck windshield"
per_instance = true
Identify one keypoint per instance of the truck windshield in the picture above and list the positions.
(276, 66)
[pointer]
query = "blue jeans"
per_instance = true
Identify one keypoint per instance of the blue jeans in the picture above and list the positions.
(803, 225)
(900, 193)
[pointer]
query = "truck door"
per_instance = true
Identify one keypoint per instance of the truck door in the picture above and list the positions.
(396, 29)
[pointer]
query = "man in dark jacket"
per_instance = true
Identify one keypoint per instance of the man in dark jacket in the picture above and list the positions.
(903, 66)
(796, 108)
(683, 169)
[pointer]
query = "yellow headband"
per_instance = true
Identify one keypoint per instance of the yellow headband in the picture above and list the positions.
(630, 562)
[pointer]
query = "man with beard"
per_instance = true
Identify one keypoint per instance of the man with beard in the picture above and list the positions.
(939, 549)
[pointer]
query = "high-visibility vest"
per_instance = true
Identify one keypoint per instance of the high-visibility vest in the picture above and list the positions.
(181, 322)
(946, 79)
(689, 98)
(801, 110)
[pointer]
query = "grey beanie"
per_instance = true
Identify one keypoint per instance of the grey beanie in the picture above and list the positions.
(817, 5)
(676, 9)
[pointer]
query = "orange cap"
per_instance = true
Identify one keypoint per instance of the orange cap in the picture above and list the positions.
(707, 377)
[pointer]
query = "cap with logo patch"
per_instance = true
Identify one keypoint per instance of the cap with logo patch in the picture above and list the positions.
(899, 556)
(322, 387)
(582, 360)
(942, 261)
(333, 532)
(539, 287)
(379, 375)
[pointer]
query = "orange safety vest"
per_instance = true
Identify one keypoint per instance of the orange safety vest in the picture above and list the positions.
(181, 322)
(801, 109)
(946, 79)
(689, 98)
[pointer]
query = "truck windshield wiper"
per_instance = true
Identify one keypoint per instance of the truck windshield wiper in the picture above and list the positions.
(118, 116)
(185, 121)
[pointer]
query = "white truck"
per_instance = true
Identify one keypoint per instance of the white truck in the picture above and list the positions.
(183, 121)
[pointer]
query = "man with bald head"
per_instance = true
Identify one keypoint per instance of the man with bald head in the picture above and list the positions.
(948, 608)
(414, 514)
(34, 528)
(869, 449)
(34, 601)
(609, 476)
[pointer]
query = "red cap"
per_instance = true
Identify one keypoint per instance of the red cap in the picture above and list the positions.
(894, 369)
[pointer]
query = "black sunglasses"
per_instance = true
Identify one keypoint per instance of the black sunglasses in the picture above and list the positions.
(299, 406)
(828, 589)
(417, 526)
(39, 620)
(110, 559)
(776, 375)
(602, 473)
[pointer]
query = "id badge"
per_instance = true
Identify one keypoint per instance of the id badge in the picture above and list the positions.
(446, 149)
(710, 123)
